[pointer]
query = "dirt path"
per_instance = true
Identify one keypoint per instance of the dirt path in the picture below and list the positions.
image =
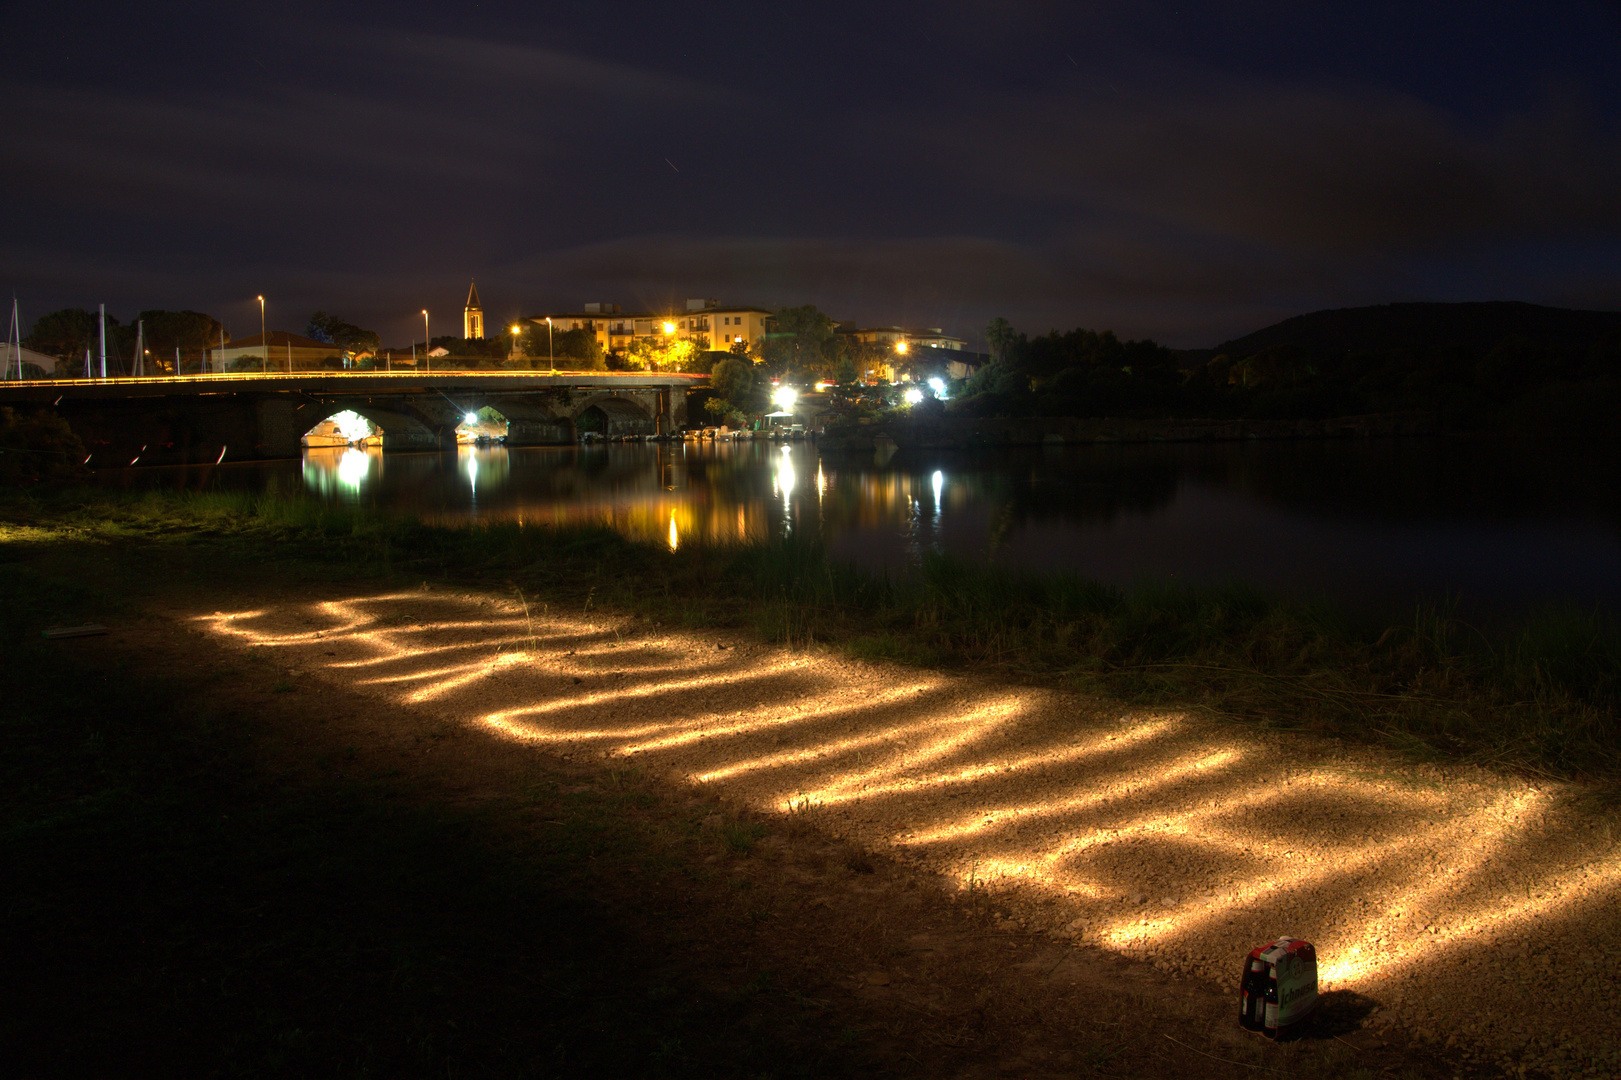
(1464, 909)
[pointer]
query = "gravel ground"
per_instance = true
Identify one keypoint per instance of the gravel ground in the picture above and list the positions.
(1475, 911)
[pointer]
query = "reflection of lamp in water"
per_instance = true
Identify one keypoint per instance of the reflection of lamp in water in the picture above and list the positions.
(785, 472)
(352, 469)
(472, 472)
(939, 482)
(675, 537)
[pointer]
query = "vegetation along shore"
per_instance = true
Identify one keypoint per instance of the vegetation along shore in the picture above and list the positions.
(1541, 695)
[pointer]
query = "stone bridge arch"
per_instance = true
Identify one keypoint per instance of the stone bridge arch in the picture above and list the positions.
(401, 430)
(623, 413)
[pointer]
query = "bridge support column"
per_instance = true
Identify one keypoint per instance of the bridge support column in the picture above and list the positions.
(673, 414)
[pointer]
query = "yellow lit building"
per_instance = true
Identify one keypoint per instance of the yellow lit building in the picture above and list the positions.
(706, 321)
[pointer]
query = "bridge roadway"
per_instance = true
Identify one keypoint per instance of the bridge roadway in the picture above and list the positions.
(194, 418)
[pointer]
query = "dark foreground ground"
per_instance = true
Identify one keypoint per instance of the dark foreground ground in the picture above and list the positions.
(209, 870)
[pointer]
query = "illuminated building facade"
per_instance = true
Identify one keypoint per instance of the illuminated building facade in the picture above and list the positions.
(706, 321)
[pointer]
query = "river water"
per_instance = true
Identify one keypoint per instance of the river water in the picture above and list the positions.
(1374, 526)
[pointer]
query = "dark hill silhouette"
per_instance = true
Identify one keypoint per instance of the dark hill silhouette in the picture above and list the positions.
(1476, 327)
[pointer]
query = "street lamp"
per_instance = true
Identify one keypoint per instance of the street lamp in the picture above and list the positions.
(264, 342)
(427, 341)
(551, 353)
(515, 331)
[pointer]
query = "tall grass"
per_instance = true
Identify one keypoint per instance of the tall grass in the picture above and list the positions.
(1542, 695)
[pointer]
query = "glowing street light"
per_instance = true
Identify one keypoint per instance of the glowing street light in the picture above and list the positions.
(902, 347)
(427, 342)
(913, 395)
(551, 352)
(938, 385)
(669, 328)
(264, 342)
(785, 397)
(470, 418)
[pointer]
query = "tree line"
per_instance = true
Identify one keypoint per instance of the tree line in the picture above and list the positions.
(69, 334)
(1507, 379)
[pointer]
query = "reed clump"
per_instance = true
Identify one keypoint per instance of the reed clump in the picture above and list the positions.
(1542, 695)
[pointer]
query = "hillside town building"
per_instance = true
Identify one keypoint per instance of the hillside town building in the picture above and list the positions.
(281, 352)
(931, 337)
(704, 321)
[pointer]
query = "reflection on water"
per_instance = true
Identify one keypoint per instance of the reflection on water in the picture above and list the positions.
(1376, 524)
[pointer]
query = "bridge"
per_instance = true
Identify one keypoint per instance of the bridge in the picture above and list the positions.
(194, 418)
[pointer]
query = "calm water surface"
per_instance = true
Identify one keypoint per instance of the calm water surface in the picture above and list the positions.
(1372, 525)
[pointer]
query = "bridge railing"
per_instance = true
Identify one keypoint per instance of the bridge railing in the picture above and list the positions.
(307, 376)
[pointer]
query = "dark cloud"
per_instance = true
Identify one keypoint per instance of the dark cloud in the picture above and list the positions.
(1187, 173)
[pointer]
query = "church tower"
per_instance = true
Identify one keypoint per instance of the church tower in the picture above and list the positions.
(473, 315)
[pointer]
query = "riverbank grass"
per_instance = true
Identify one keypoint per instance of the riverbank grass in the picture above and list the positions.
(1542, 695)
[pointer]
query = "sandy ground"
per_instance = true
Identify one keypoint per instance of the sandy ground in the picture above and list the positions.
(1478, 912)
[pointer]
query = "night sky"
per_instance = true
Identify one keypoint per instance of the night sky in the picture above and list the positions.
(1188, 172)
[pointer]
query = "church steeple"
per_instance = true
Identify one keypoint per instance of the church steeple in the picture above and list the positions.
(473, 314)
